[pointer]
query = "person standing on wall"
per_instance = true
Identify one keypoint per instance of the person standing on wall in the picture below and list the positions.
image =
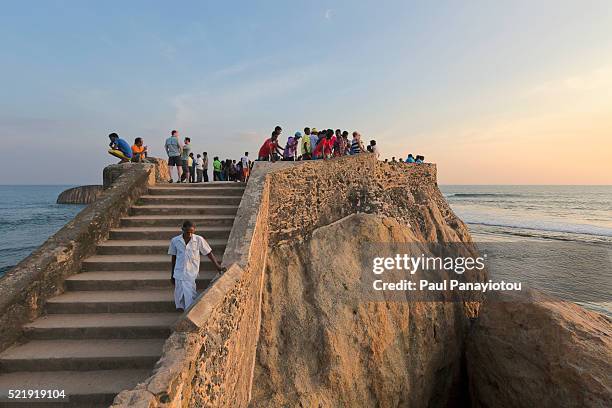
(199, 168)
(173, 149)
(192, 168)
(217, 167)
(185, 250)
(185, 159)
(246, 166)
(205, 166)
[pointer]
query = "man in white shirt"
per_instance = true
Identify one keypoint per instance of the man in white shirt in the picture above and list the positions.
(246, 167)
(185, 250)
(199, 168)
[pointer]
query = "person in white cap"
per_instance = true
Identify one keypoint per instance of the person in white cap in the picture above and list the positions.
(185, 250)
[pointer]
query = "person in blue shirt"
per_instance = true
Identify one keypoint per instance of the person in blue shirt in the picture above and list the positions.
(419, 159)
(410, 158)
(119, 148)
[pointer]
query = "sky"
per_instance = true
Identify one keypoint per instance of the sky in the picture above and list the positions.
(494, 92)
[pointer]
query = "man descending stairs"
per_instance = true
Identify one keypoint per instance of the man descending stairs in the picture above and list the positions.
(105, 333)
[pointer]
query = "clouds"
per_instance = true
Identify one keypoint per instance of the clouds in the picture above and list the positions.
(593, 80)
(212, 102)
(329, 14)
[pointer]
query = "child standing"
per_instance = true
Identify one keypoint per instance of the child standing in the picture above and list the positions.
(185, 250)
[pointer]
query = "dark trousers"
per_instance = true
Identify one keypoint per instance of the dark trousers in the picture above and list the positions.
(206, 175)
(217, 176)
(185, 175)
(200, 173)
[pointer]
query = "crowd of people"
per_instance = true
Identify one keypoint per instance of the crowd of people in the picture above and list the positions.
(313, 144)
(192, 167)
(324, 144)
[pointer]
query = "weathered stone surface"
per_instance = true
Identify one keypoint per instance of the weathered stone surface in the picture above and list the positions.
(80, 195)
(114, 171)
(531, 350)
(25, 288)
(161, 169)
(323, 343)
(318, 193)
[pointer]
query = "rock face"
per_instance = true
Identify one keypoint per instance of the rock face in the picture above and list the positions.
(531, 350)
(322, 344)
(112, 172)
(80, 195)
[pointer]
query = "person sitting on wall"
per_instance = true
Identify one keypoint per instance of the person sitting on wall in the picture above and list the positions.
(119, 148)
(185, 250)
(373, 148)
(139, 151)
(410, 159)
(420, 159)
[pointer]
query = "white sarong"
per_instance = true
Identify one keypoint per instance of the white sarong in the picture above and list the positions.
(184, 293)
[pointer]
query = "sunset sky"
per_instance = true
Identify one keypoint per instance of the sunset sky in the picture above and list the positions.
(515, 92)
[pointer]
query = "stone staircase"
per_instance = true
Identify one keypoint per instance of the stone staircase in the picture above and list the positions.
(105, 333)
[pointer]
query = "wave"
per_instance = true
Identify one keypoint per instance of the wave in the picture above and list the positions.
(475, 195)
(542, 226)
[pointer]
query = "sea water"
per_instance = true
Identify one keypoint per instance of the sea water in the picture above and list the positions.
(557, 239)
(28, 216)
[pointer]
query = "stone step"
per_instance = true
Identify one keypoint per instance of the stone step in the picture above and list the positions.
(189, 200)
(129, 280)
(177, 221)
(184, 210)
(115, 301)
(89, 354)
(166, 233)
(196, 190)
(101, 326)
(137, 263)
(95, 388)
(151, 246)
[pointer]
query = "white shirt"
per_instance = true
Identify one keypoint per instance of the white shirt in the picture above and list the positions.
(187, 264)
(199, 163)
(375, 151)
(245, 162)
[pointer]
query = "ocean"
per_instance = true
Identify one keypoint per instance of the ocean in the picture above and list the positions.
(557, 239)
(28, 216)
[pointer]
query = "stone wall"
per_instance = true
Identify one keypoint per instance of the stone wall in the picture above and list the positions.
(114, 171)
(321, 342)
(312, 194)
(209, 358)
(80, 195)
(25, 288)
